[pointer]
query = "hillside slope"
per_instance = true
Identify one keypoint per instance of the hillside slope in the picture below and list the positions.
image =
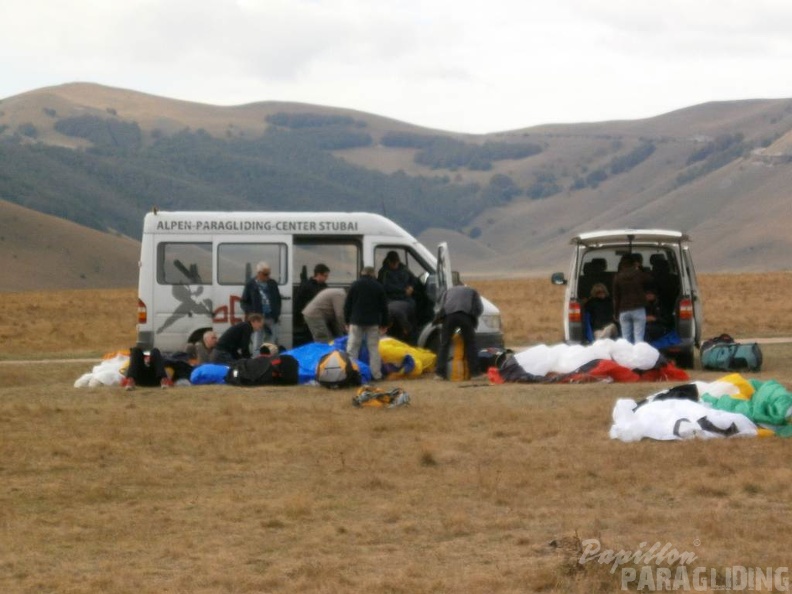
(42, 252)
(719, 171)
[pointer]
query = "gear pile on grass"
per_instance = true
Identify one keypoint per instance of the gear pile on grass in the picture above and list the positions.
(371, 396)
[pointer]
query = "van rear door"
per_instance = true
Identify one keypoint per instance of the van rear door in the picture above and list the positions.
(444, 272)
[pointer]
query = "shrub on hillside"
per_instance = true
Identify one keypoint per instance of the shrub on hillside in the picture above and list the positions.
(101, 132)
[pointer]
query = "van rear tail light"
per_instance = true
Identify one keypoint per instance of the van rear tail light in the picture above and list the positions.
(685, 309)
(574, 311)
(142, 312)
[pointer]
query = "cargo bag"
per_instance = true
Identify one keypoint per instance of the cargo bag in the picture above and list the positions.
(336, 369)
(263, 371)
(722, 353)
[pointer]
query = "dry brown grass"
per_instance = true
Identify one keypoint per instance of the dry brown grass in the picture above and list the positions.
(221, 489)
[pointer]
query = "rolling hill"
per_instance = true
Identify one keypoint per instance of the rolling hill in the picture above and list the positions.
(507, 202)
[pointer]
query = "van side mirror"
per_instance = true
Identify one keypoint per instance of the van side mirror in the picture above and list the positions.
(557, 278)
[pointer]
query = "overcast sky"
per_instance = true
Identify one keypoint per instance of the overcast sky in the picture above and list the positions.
(457, 65)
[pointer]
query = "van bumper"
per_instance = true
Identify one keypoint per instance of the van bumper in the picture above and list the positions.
(490, 340)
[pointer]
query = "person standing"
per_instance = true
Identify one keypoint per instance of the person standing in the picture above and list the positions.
(305, 293)
(234, 343)
(324, 315)
(629, 298)
(460, 307)
(262, 296)
(366, 315)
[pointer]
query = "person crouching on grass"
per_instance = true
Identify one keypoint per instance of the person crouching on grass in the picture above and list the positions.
(234, 343)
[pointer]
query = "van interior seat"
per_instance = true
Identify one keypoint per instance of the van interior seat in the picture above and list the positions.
(595, 271)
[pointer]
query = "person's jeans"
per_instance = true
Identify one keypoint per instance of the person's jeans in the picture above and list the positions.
(633, 324)
(269, 333)
(372, 336)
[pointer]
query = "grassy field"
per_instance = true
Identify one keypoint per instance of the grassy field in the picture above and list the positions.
(473, 488)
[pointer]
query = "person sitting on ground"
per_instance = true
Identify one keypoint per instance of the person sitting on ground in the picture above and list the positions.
(200, 352)
(399, 284)
(460, 307)
(146, 370)
(599, 308)
(234, 343)
(309, 289)
(324, 315)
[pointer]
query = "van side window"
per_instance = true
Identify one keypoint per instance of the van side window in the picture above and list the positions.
(184, 263)
(236, 262)
(341, 256)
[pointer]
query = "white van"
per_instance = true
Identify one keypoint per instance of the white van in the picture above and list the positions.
(194, 265)
(665, 253)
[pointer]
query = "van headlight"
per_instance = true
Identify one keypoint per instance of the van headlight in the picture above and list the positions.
(491, 323)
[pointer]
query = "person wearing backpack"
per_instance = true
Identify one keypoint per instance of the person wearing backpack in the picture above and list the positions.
(366, 316)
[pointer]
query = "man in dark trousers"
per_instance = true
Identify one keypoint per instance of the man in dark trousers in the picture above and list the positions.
(146, 370)
(234, 343)
(460, 307)
(307, 291)
(366, 315)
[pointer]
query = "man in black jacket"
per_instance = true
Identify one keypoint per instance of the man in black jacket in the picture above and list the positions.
(366, 315)
(234, 343)
(305, 293)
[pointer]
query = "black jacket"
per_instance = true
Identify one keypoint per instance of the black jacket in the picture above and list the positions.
(366, 303)
(307, 291)
(251, 298)
(236, 340)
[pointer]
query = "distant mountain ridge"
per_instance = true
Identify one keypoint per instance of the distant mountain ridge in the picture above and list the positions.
(507, 202)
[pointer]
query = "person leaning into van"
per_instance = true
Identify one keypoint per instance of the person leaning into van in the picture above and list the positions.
(629, 298)
(460, 307)
(234, 343)
(366, 316)
(262, 296)
(324, 315)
